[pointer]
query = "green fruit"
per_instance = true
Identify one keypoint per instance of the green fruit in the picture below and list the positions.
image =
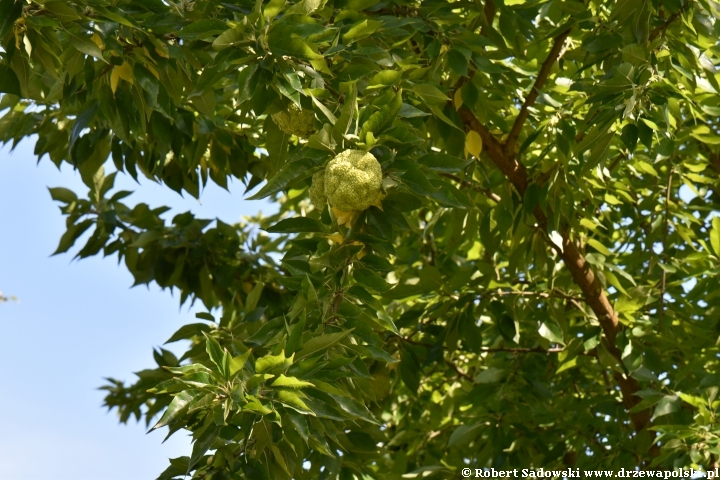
(295, 121)
(353, 180)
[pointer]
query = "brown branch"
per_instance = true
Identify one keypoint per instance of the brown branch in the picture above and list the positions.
(543, 74)
(593, 293)
(545, 176)
(459, 372)
(509, 166)
(660, 30)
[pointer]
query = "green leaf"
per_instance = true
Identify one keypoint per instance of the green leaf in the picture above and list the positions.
(290, 382)
(384, 78)
(645, 134)
(195, 367)
(715, 236)
(324, 109)
(202, 444)
(340, 129)
(63, 195)
(364, 296)
(255, 406)
(292, 171)
(82, 122)
(318, 344)
(361, 29)
(629, 136)
(188, 331)
(457, 62)
(667, 405)
(295, 338)
(430, 93)
(382, 118)
(71, 235)
(551, 331)
(531, 198)
(306, 7)
(62, 11)
(10, 11)
(202, 29)
(297, 225)
(437, 111)
(464, 434)
(270, 362)
(417, 182)
(177, 408)
(371, 279)
(281, 45)
(490, 375)
(253, 297)
(273, 8)
(116, 15)
(599, 247)
(408, 111)
(507, 328)
(146, 80)
(238, 362)
(696, 402)
(9, 82)
(215, 351)
(355, 408)
(598, 152)
(292, 399)
(444, 163)
(86, 46)
(359, 5)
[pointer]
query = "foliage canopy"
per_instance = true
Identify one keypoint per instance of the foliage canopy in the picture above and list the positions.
(529, 290)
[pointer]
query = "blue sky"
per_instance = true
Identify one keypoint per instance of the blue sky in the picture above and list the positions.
(75, 323)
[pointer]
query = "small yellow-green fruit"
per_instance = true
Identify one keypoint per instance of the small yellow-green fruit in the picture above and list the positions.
(353, 180)
(295, 121)
(317, 190)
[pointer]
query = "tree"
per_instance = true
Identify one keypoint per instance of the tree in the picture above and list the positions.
(4, 298)
(532, 287)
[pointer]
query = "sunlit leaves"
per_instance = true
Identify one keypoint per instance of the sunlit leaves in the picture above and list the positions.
(443, 312)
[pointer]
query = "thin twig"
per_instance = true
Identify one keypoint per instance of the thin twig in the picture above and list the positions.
(663, 280)
(660, 30)
(522, 349)
(532, 95)
(457, 369)
(553, 294)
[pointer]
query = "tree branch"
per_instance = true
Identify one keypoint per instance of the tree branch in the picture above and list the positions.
(551, 294)
(584, 277)
(508, 165)
(459, 372)
(660, 30)
(663, 280)
(546, 351)
(543, 74)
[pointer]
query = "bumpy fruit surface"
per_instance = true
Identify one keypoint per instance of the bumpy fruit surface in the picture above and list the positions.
(353, 180)
(317, 190)
(295, 121)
